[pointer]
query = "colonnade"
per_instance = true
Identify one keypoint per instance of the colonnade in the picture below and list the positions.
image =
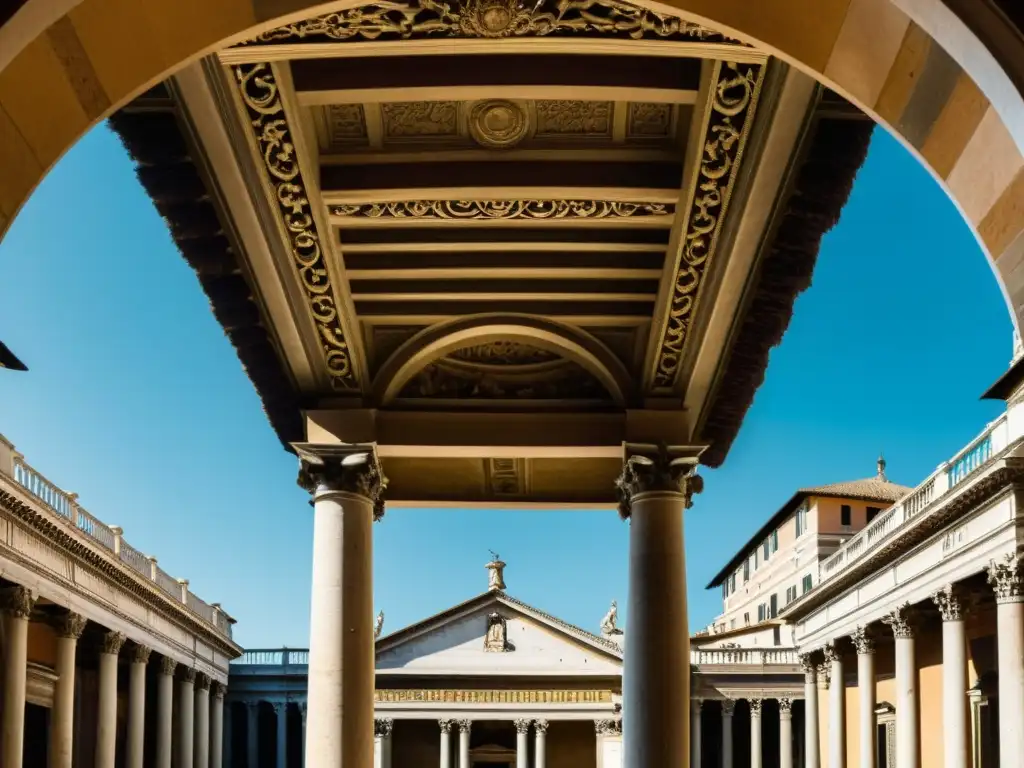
(756, 726)
(199, 736)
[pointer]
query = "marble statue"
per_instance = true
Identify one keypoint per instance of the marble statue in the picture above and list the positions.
(378, 625)
(608, 623)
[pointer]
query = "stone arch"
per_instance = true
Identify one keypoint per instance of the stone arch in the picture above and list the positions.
(437, 341)
(945, 76)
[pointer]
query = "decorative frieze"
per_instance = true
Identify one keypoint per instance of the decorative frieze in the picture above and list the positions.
(901, 621)
(726, 128)
(272, 134)
(863, 640)
(558, 117)
(489, 696)
(949, 602)
(17, 601)
(1005, 577)
(419, 120)
(658, 472)
(70, 625)
(112, 642)
(383, 726)
(536, 210)
(608, 727)
(346, 124)
(357, 473)
(649, 120)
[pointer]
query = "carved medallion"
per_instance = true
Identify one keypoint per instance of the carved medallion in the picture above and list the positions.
(498, 123)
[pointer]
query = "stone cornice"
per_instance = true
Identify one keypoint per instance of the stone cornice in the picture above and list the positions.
(86, 555)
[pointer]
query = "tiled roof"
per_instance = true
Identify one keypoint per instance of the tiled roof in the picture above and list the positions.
(871, 488)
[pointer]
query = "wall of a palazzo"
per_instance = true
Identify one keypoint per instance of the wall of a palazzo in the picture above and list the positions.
(571, 744)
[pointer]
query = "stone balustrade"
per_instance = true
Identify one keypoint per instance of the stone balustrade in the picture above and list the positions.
(66, 510)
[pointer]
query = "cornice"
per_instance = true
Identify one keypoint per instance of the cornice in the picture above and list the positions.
(85, 555)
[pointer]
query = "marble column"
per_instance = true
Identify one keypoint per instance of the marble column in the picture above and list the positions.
(522, 743)
(446, 743)
(252, 726)
(824, 678)
(186, 718)
(464, 727)
(201, 722)
(540, 750)
(755, 733)
(866, 737)
(217, 725)
(811, 738)
(69, 627)
(281, 724)
(836, 709)
(16, 604)
(906, 687)
(347, 497)
(695, 713)
(302, 714)
(785, 733)
(164, 712)
(653, 492)
(382, 730)
(137, 706)
(1005, 577)
(728, 707)
(106, 706)
(954, 677)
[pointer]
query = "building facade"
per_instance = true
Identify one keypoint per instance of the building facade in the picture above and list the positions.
(108, 661)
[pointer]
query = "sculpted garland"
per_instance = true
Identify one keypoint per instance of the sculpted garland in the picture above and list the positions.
(501, 209)
(262, 100)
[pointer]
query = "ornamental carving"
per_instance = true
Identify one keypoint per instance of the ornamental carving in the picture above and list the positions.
(112, 642)
(445, 725)
(346, 124)
(608, 727)
(386, 20)
(70, 625)
(503, 352)
(808, 666)
(420, 119)
(831, 653)
(383, 726)
(1005, 577)
(824, 675)
(863, 641)
(949, 602)
(458, 210)
(443, 380)
(522, 726)
(558, 117)
(358, 473)
(188, 675)
(728, 707)
(901, 621)
(17, 601)
(648, 120)
(785, 707)
(660, 472)
(755, 707)
(218, 690)
(498, 123)
(262, 99)
(465, 726)
(496, 638)
(167, 665)
(202, 682)
(490, 696)
(727, 125)
(541, 726)
(140, 654)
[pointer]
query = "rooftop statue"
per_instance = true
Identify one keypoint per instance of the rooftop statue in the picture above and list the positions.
(378, 625)
(608, 623)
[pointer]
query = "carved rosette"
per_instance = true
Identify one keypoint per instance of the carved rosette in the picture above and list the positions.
(522, 725)
(785, 708)
(188, 675)
(728, 707)
(755, 707)
(112, 642)
(1005, 578)
(383, 726)
(140, 654)
(273, 138)
(661, 472)
(167, 665)
(360, 474)
(202, 682)
(901, 622)
(541, 726)
(863, 641)
(950, 603)
(70, 625)
(832, 653)
(17, 601)
(445, 725)
(465, 726)
(608, 727)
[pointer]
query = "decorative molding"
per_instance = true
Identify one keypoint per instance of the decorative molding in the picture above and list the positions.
(417, 120)
(383, 726)
(608, 727)
(489, 696)
(17, 601)
(140, 654)
(503, 352)
(726, 129)
(541, 726)
(445, 725)
(563, 380)
(1005, 578)
(261, 98)
(70, 625)
(346, 124)
(901, 621)
(360, 474)
(522, 725)
(460, 210)
(647, 120)
(863, 640)
(489, 19)
(950, 603)
(498, 123)
(572, 117)
(167, 665)
(661, 472)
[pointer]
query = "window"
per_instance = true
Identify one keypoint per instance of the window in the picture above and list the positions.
(764, 550)
(775, 606)
(732, 623)
(845, 515)
(746, 619)
(807, 584)
(777, 635)
(775, 541)
(790, 594)
(725, 590)
(732, 583)
(801, 520)
(873, 512)
(760, 612)
(746, 571)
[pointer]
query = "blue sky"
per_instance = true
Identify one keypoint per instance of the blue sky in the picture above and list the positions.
(136, 401)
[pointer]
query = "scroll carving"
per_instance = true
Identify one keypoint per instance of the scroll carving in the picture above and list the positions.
(202, 682)
(727, 126)
(755, 707)
(660, 472)
(785, 707)
(188, 675)
(458, 210)
(541, 726)
(360, 474)
(445, 725)
(262, 99)
(559, 117)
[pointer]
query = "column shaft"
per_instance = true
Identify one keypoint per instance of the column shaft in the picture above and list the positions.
(755, 734)
(811, 738)
(252, 724)
(837, 716)
(522, 743)
(695, 715)
(446, 744)
(656, 668)
(62, 716)
(341, 663)
(785, 734)
(201, 724)
(217, 727)
(866, 701)
(540, 749)
(727, 710)
(17, 604)
(137, 707)
(186, 719)
(906, 704)
(106, 705)
(1010, 642)
(464, 726)
(954, 693)
(281, 717)
(164, 712)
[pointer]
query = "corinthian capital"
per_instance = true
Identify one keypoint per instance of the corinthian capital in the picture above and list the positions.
(70, 625)
(901, 621)
(112, 643)
(657, 471)
(1005, 577)
(17, 601)
(324, 469)
(863, 640)
(950, 603)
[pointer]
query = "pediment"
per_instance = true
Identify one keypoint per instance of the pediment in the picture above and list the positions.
(496, 635)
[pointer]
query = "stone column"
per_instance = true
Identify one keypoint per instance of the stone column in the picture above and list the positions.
(106, 706)
(137, 705)
(164, 712)
(811, 739)
(464, 726)
(603, 730)
(954, 677)
(522, 743)
(281, 723)
(201, 723)
(217, 725)
(906, 687)
(186, 718)
(382, 729)
(728, 706)
(540, 731)
(824, 673)
(653, 492)
(836, 709)
(1005, 577)
(347, 497)
(785, 733)
(302, 714)
(865, 645)
(446, 743)
(695, 711)
(252, 744)
(69, 628)
(17, 604)
(755, 733)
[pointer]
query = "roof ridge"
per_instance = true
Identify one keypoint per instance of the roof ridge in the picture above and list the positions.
(572, 628)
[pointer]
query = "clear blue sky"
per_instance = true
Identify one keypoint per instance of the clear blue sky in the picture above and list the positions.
(136, 401)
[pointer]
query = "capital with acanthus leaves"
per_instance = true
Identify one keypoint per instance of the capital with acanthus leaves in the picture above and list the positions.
(322, 470)
(659, 470)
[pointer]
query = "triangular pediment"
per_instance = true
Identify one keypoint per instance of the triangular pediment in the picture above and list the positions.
(494, 634)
